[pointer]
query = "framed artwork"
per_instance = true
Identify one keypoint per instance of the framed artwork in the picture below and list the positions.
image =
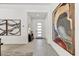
(10, 27)
(2, 27)
(64, 26)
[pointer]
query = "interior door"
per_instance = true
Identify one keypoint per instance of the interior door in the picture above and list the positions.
(38, 26)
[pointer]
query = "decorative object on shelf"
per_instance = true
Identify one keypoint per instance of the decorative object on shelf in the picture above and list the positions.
(9, 27)
(64, 26)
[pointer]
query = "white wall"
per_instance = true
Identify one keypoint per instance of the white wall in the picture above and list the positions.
(77, 29)
(49, 22)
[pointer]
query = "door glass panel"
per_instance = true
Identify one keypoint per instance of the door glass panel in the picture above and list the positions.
(39, 23)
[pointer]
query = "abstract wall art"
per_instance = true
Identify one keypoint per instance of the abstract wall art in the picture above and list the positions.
(64, 26)
(2, 27)
(10, 27)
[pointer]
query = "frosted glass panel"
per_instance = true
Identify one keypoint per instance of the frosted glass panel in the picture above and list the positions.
(39, 35)
(39, 23)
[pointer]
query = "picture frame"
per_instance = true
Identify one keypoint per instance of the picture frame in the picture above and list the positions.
(64, 26)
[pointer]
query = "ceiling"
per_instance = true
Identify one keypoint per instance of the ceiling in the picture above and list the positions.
(37, 15)
(26, 3)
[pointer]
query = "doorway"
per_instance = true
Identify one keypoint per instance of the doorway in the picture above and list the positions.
(36, 24)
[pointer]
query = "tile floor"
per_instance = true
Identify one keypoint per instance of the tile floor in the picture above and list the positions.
(17, 50)
(38, 47)
(42, 48)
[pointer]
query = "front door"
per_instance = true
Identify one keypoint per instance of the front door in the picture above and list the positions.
(38, 26)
